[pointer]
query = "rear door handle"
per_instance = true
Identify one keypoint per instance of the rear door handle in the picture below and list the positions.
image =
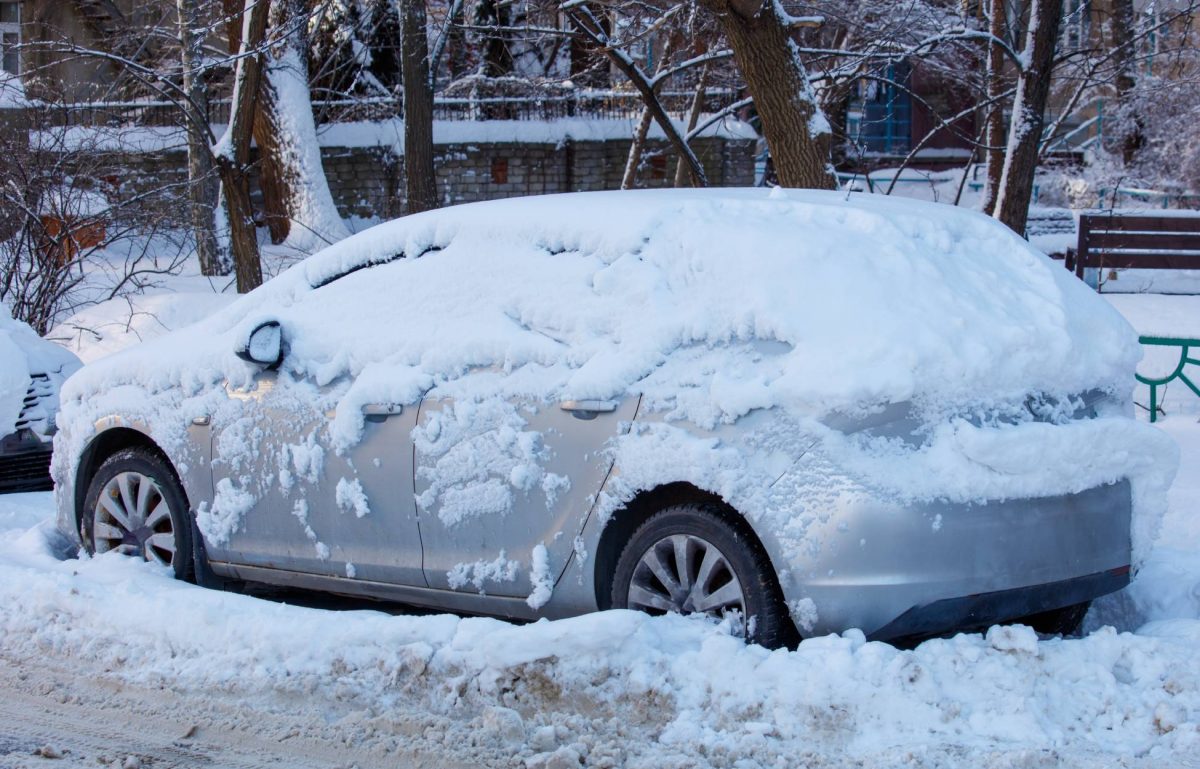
(588, 409)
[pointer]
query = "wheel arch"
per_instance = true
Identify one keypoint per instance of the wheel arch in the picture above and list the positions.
(621, 525)
(102, 446)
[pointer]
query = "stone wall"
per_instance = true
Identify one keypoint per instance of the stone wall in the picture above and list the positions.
(368, 181)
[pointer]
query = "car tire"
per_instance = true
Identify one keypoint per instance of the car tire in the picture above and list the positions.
(135, 505)
(723, 570)
(1065, 621)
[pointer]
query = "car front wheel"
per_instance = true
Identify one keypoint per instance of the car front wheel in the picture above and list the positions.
(689, 560)
(135, 506)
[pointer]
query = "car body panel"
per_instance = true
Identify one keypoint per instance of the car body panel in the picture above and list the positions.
(560, 451)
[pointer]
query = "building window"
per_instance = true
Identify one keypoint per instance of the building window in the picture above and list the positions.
(10, 37)
(879, 119)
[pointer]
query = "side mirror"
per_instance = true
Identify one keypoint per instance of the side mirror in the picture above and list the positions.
(264, 345)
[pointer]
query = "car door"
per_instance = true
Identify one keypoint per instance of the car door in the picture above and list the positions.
(308, 508)
(497, 479)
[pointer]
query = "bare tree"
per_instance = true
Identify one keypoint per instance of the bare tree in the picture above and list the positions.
(419, 175)
(796, 131)
(232, 152)
(1028, 115)
(204, 188)
(993, 136)
(293, 179)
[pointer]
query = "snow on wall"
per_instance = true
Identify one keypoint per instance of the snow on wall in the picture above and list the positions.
(712, 304)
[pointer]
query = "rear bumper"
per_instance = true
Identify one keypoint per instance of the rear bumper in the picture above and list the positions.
(979, 611)
(894, 570)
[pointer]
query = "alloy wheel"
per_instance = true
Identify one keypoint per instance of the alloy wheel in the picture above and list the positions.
(686, 574)
(133, 518)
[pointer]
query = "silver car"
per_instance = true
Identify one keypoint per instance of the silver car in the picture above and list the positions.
(273, 461)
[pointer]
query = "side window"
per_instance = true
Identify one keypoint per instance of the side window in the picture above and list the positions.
(10, 37)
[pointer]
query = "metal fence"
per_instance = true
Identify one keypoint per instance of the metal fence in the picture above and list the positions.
(594, 104)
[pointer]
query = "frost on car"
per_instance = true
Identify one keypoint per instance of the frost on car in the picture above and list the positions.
(807, 411)
(31, 372)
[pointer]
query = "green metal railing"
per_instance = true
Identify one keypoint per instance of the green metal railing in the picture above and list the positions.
(1185, 358)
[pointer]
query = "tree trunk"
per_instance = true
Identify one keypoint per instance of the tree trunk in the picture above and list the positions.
(299, 205)
(496, 58)
(993, 125)
(420, 179)
(1133, 137)
(204, 185)
(1028, 115)
(232, 153)
(681, 175)
(269, 182)
(636, 147)
(796, 131)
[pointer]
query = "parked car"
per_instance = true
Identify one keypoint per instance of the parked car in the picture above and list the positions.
(31, 372)
(800, 411)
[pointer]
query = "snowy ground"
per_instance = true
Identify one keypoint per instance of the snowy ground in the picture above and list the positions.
(110, 662)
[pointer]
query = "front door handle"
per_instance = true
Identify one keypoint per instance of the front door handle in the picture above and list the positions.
(588, 409)
(382, 410)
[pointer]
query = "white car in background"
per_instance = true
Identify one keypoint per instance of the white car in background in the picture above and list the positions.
(32, 371)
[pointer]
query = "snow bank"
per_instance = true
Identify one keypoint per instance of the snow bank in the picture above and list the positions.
(619, 688)
(711, 304)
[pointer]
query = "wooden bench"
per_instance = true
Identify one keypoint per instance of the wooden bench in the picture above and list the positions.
(1138, 240)
(1144, 241)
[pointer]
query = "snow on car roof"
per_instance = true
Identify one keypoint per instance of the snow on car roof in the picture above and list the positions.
(591, 295)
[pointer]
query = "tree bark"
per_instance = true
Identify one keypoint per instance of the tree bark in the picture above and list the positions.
(796, 131)
(204, 185)
(993, 124)
(635, 149)
(1028, 115)
(693, 119)
(1133, 137)
(232, 154)
(496, 58)
(420, 179)
(300, 208)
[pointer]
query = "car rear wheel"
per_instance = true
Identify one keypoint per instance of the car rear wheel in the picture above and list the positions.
(135, 506)
(689, 560)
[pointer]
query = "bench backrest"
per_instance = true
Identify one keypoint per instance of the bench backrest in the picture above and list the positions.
(1142, 241)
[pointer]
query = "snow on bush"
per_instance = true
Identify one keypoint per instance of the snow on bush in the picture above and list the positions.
(713, 305)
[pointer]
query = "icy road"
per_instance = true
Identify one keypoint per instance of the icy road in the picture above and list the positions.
(108, 662)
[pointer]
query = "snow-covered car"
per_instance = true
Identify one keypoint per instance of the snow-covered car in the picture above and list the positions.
(807, 410)
(31, 372)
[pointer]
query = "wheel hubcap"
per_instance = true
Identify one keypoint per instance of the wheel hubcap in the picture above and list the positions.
(133, 518)
(685, 574)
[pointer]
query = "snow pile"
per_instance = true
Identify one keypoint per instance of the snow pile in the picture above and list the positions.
(617, 688)
(711, 305)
